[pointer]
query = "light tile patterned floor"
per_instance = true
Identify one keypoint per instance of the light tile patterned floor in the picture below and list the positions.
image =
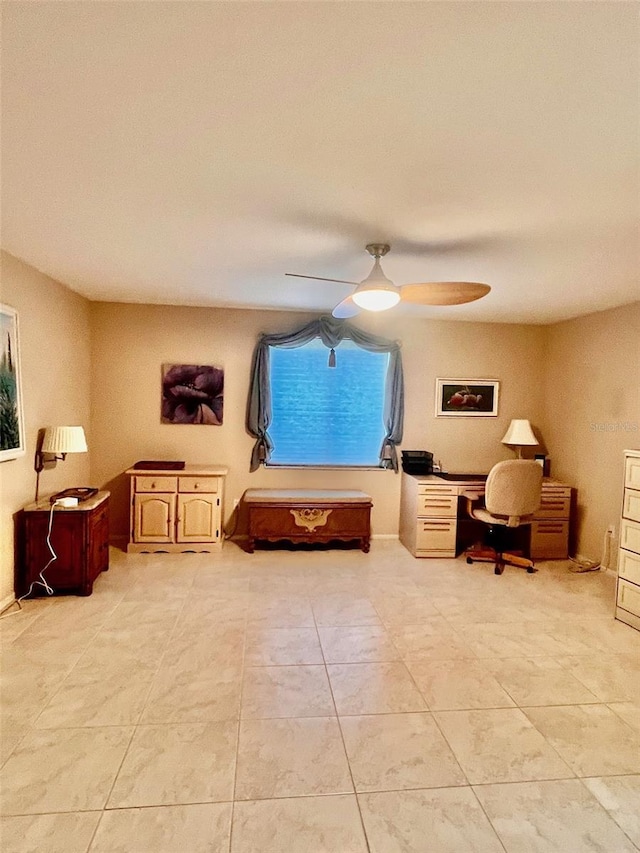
(321, 702)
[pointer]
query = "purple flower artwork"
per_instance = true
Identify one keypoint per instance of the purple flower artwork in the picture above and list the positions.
(192, 394)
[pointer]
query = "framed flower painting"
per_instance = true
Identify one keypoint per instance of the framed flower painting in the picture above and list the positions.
(192, 394)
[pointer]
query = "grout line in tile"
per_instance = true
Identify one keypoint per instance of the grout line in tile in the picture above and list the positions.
(239, 723)
(344, 745)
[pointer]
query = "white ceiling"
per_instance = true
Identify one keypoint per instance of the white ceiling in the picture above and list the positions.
(191, 153)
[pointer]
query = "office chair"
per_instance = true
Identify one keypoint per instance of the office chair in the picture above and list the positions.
(512, 495)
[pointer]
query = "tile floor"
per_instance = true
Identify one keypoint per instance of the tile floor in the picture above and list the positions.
(321, 702)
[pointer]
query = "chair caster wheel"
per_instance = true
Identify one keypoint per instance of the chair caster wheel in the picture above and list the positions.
(530, 570)
(498, 570)
(469, 561)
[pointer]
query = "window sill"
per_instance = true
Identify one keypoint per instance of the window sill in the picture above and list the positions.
(327, 467)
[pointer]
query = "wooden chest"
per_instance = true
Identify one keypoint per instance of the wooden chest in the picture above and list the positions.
(308, 515)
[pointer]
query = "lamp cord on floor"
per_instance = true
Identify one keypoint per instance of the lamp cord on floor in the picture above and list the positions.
(43, 581)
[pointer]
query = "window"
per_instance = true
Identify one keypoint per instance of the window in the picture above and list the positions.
(359, 404)
(325, 415)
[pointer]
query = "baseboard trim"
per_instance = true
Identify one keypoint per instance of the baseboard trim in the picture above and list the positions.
(6, 603)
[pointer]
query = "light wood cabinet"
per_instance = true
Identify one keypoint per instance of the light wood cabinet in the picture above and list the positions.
(628, 586)
(177, 511)
(430, 510)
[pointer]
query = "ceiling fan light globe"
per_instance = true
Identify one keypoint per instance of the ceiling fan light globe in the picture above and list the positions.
(376, 299)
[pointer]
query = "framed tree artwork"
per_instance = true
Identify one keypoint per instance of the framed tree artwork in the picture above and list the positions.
(467, 398)
(12, 442)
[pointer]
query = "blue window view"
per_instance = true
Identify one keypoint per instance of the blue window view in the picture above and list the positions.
(327, 415)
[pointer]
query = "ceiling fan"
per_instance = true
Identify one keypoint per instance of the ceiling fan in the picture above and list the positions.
(378, 293)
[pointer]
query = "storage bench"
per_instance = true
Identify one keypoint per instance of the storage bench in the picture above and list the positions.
(308, 515)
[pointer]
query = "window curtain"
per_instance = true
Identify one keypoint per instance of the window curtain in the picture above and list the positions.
(331, 332)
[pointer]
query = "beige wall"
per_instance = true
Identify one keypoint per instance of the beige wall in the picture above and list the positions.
(99, 365)
(54, 352)
(593, 413)
(131, 342)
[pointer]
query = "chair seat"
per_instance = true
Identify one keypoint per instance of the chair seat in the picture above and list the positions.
(484, 515)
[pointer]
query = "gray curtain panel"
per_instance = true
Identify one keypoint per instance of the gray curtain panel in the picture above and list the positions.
(331, 332)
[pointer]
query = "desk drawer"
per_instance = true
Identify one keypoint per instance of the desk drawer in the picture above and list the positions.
(156, 484)
(436, 535)
(549, 539)
(198, 484)
(629, 597)
(436, 489)
(629, 565)
(437, 505)
(631, 504)
(554, 504)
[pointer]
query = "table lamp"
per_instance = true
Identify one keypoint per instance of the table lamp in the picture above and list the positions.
(520, 435)
(56, 443)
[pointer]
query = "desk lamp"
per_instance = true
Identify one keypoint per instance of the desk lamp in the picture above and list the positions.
(520, 435)
(56, 443)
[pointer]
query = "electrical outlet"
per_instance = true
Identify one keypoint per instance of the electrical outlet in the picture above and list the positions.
(611, 530)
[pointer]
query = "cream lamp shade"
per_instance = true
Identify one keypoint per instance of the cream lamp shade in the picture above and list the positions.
(520, 434)
(66, 439)
(56, 443)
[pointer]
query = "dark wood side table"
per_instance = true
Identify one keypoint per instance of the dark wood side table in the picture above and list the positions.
(80, 538)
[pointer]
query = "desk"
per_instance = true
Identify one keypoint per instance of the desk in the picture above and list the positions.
(431, 512)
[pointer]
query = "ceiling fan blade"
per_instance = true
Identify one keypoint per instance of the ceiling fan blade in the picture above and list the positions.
(443, 292)
(320, 278)
(345, 309)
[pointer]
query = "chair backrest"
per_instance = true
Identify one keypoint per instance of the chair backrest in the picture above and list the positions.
(513, 488)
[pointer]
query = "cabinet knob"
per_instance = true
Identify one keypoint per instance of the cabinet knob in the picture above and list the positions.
(153, 485)
(195, 486)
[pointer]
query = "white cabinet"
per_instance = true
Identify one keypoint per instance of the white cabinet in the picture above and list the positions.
(176, 511)
(628, 588)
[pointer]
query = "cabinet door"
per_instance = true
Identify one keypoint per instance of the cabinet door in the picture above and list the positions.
(198, 518)
(153, 518)
(68, 540)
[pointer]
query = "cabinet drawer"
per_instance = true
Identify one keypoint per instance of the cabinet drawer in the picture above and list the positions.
(198, 484)
(437, 505)
(436, 535)
(631, 504)
(630, 535)
(554, 504)
(632, 472)
(156, 484)
(629, 597)
(549, 539)
(629, 565)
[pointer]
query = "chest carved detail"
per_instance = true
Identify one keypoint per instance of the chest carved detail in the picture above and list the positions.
(310, 518)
